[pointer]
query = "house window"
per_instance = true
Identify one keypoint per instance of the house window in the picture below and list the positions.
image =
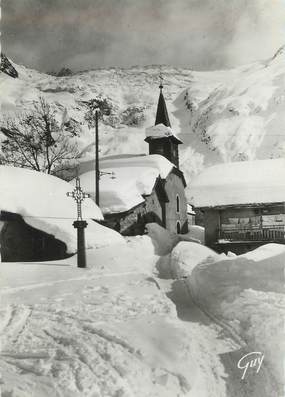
(177, 204)
(178, 227)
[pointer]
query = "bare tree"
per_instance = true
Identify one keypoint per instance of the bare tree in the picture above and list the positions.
(37, 141)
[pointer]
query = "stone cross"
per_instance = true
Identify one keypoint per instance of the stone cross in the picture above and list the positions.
(78, 196)
(80, 224)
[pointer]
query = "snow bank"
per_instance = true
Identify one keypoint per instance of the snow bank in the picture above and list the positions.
(246, 291)
(162, 239)
(186, 255)
(224, 278)
(42, 202)
(126, 181)
(259, 317)
(225, 184)
(195, 232)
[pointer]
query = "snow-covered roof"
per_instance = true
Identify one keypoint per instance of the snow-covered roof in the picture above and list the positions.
(160, 131)
(190, 210)
(42, 202)
(133, 177)
(245, 182)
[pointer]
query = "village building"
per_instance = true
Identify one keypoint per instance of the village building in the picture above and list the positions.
(140, 189)
(243, 204)
(36, 216)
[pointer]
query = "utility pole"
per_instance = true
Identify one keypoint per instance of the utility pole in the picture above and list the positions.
(97, 170)
(98, 173)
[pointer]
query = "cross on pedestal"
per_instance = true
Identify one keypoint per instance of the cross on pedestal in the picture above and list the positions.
(78, 195)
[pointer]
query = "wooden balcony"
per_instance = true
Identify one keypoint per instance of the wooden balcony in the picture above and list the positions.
(268, 233)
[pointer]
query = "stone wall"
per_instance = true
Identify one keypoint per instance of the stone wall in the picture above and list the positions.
(174, 187)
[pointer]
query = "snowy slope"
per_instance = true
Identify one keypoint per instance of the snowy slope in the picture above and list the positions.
(219, 115)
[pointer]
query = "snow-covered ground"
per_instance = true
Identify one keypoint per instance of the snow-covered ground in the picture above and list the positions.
(105, 331)
(120, 328)
(245, 292)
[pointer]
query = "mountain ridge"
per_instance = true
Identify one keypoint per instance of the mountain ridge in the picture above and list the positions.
(228, 115)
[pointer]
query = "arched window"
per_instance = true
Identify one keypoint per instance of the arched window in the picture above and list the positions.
(178, 227)
(177, 203)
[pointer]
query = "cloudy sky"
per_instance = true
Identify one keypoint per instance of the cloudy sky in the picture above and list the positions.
(199, 34)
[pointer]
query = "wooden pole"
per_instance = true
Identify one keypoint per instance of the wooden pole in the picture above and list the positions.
(97, 170)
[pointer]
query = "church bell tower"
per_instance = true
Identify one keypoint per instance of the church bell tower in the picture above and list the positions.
(160, 137)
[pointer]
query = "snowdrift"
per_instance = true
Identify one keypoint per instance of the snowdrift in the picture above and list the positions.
(42, 202)
(186, 255)
(162, 240)
(246, 291)
(197, 232)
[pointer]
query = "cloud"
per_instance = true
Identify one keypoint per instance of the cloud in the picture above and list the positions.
(199, 34)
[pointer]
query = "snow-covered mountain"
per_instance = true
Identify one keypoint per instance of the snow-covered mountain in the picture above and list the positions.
(220, 116)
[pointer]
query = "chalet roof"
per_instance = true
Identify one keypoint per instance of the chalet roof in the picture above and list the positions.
(134, 176)
(240, 183)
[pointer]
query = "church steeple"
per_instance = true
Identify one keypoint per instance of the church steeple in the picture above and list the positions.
(160, 137)
(161, 112)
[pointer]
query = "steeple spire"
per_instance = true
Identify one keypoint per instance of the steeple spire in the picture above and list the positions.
(161, 112)
(161, 81)
(160, 137)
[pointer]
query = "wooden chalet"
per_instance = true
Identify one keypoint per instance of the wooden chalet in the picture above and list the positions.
(243, 204)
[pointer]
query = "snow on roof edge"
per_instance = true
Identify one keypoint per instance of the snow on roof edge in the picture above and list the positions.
(240, 183)
(132, 178)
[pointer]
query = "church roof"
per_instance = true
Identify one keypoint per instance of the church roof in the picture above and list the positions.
(134, 176)
(161, 112)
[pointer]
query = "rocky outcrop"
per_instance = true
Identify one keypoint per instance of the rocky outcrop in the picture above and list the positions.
(64, 72)
(7, 67)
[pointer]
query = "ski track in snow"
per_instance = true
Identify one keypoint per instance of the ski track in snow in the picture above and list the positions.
(226, 344)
